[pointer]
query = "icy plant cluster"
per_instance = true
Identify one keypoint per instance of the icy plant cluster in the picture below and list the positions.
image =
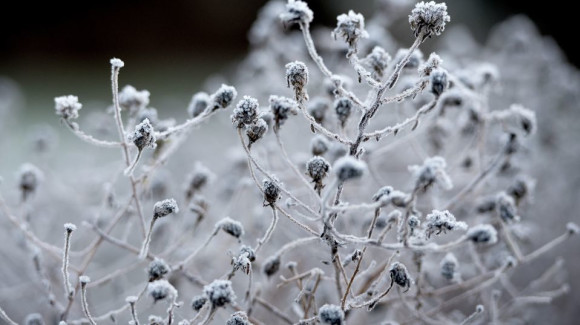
(367, 185)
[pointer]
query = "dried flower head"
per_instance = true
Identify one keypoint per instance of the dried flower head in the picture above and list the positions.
(432, 171)
(272, 265)
(223, 97)
(198, 178)
(296, 12)
(144, 135)
(449, 266)
(317, 168)
(133, 100)
(161, 289)
(432, 63)
(157, 269)
(351, 27)
(330, 315)
(69, 227)
(399, 275)
(199, 102)
(506, 208)
(348, 167)
(442, 221)
(29, 178)
(219, 293)
(317, 108)
(238, 318)
(83, 279)
(117, 63)
(297, 77)
(319, 145)
(281, 107)
(33, 319)
(67, 106)
(517, 119)
(198, 302)
(378, 60)
(415, 60)
(164, 208)
(249, 252)
(246, 112)
(482, 234)
(428, 19)
(256, 131)
(343, 108)
(439, 81)
(232, 227)
(271, 191)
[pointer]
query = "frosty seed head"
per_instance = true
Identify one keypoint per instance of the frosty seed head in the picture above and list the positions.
(256, 131)
(348, 167)
(117, 63)
(297, 77)
(198, 178)
(231, 227)
(271, 191)
(383, 193)
(199, 102)
(449, 266)
(317, 107)
(506, 208)
(428, 19)
(223, 97)
(198, 302)
(156, 320)
(432, 171)
(415, 60)
(161, 289)
(572, 228)
(131, 299)
(144, 135)
(350, 27)
(29, 178)
(319, 145)
(439, 81)
(431, 64)
(219, 293)
(249, 252)
(69, 227)
(399, 275)
(442, 221)
(272, 265)
(378, 60)
(520, 188)
(67, 106)
(238, 318)
(343, 108)
(524, 118)
(149, 113)
(246, 112)
(482, 234)
(296, 12)
(331, 315)
(83, 279)
(164, 208)
(133, 100)
(34, 319)
(317, 167)
(281, 108)
(157, 269)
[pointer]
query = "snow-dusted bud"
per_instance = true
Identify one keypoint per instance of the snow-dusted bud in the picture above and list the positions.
(242, 262)
(117, 63)
(198, 302)
(161, 289)
(343, 108)
(149, 113)
(449, 266)
(232, 227)
(219, 293)
(272, 265)
(517, 119)
(198, 178)
(317, 167)
(432, 171)
(281, 107)
(296, 12)
(399, 275)
(67, 106)
(199, 102)
(349, 167)
(28, 179)
(506, 208)
(317, 107)
(69, 227)
(271, 191)
(223, 97)
(382, 193)
(144, 135)
(378, 60)
(351, 27)
(482, 234)
(256, 131)
(156, 320)
(34, 319)
(415, 60)
(132, 99)
(319, 145)
(439, 81)
(572, 228)
(297, 77)
(238, 318)
(442, 221)
(83, 279)
(431, 64)
(428, 19)
(330, 315)
(157, 269)
(521, 188)
(246, 112)
(249, 252)
(164, 208)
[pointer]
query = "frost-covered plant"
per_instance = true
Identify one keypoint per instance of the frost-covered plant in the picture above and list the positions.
(361, 242)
